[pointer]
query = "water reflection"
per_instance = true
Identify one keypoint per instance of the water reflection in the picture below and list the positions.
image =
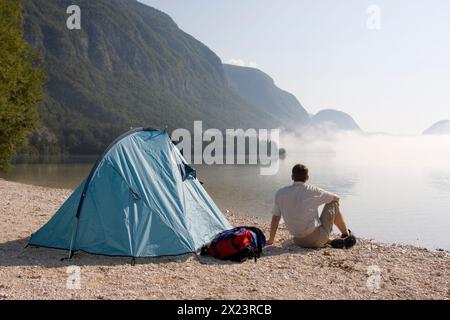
(63, 175)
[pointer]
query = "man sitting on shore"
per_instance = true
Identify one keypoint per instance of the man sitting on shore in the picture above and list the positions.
(298, 205)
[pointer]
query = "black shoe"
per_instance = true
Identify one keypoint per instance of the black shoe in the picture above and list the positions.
(338, 243)
(350, 241)
(346, 241)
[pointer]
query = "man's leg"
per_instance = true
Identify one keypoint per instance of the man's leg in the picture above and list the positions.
(332, 215)
(339, 221)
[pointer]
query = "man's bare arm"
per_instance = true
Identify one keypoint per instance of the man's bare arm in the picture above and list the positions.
(273, 229)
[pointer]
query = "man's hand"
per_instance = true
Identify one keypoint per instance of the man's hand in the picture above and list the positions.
(269, 242)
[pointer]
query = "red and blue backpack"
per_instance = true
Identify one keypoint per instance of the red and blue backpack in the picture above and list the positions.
(238, 244)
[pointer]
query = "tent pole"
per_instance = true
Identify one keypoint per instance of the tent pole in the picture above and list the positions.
(74, 232)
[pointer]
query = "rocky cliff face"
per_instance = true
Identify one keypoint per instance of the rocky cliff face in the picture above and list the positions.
(129, 65)
(259, 89)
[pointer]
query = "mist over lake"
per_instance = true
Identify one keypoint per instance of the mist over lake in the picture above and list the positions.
(395, 189)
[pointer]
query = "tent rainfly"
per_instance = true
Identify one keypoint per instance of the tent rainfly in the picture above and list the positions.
(141, 199)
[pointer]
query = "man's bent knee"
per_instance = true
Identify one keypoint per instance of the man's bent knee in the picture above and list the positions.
(332, 206)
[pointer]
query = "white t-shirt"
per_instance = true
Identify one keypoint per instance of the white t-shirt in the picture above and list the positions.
(299, 205)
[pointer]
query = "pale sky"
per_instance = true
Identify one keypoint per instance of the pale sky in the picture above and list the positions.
(395, 79)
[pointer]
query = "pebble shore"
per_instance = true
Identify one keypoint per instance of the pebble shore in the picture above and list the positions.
(370, 270)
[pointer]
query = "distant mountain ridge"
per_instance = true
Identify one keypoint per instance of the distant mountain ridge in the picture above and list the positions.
(334, 120)
(439, 128)
(129, 65)
(258, 88)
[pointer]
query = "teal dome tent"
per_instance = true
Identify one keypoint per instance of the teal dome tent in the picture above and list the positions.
(141, 199)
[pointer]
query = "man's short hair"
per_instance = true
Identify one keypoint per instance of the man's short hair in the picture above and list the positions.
(300, 173)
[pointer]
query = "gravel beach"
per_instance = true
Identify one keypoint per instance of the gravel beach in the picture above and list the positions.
(368, 271)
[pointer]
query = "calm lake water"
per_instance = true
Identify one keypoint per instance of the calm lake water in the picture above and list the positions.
(393, 189)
